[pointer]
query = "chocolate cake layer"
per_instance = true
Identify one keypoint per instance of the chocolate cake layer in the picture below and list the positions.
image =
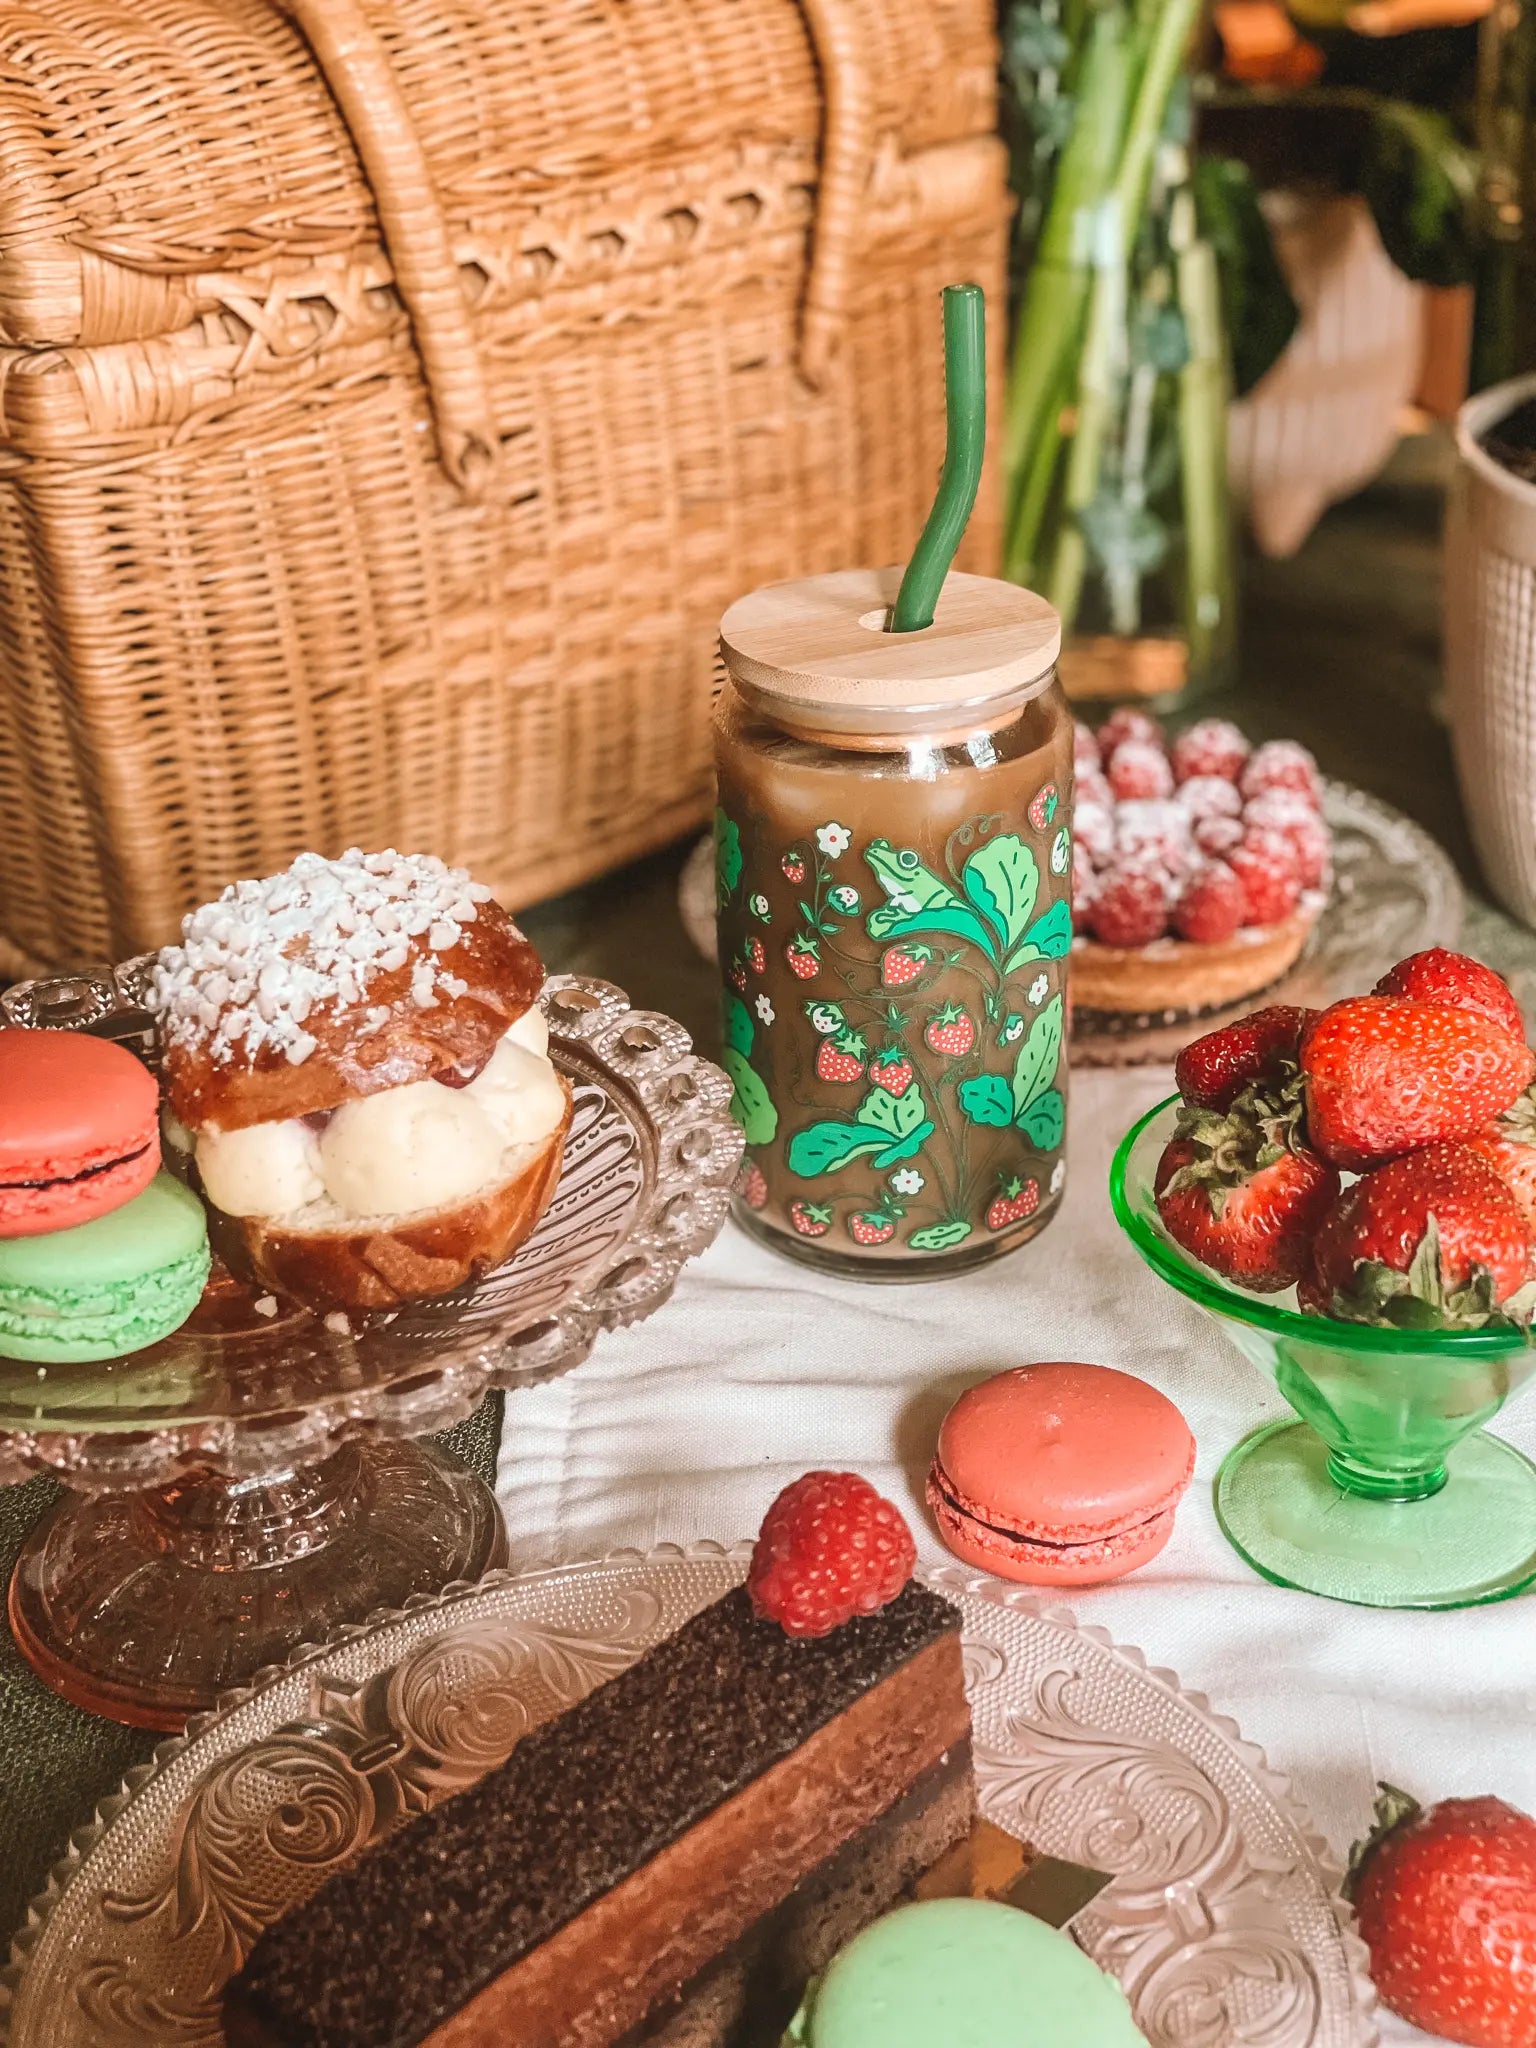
(750, 1992)
(581, 1878)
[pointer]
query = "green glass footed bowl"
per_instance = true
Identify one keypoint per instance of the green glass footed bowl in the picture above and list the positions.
(1388, 1492)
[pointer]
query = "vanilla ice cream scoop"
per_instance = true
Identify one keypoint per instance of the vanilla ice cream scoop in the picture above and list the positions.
(264, 1170)
(408, 1149)
(520, 1091)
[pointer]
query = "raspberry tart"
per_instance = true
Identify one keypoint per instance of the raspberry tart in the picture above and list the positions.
(1200, 868)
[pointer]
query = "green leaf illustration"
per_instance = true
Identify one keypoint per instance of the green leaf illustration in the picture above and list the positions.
(896, 1115)
(751, 1104)
(1048, 938)
(727, 857)
(1035, 1068)
(906, 1147)
(822, 1148)
(918, 901)
(937, 1237)
(986, 1099)
(1002, 880)
(1044, 1123)
(736, 1027)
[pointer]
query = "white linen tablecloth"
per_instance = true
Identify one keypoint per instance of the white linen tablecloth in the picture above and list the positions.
(759, 1369)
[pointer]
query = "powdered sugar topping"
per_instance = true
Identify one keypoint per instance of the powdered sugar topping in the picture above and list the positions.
(255, 966)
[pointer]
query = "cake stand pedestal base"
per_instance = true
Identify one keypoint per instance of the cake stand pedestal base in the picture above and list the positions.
(1470, 1540)
(145, 1607)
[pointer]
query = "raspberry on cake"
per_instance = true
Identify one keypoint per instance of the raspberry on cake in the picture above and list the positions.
(357, 1070)
(672, 1858)
(1282, 764)
(1137, 768)
(1211, 749)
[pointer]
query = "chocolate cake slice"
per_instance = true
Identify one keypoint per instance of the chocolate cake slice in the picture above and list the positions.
(665, 1863)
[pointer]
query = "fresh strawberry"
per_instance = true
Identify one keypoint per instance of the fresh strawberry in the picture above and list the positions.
(1128, 724)
(1016, 1200)
(811, 1219)
(1211, 747)
(1242, 1194)
(1385, 1075)
(1282, 764)
(1211, 905)
(1290, 814)
(1446, 1903)
(829, 1548)
(804, 957)
(841, 1058)
(1139, 769)
(951, 1030)
(793, 865)
(1269, 873)
(1431, 1241)
(1042, 806)
(1130, 907)
(901, 964)
(752, 1187)
(1213, 1071)
(1509, 1146)
(891, 1070)
(1439, 976)
(757, 959)
(1085, 749)
(872, 1226)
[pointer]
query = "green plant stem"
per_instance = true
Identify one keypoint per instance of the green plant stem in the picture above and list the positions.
(1056, 298)
(1204, 389)
(1097, 384)
(965, 392)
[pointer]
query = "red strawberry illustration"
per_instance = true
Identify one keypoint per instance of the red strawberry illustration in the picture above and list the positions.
(901, 964)
(1017, 1200)
(872, 1226)
(891, 1070)
(793, 865)
(841, 1058)
(1042, 806)
(756, 957)
(804, 957)
(739, 975)
(811, 1219)
(752, 1187)
(951, 1031)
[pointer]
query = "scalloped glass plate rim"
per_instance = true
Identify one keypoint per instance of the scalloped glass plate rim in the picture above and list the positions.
(1354, 2027)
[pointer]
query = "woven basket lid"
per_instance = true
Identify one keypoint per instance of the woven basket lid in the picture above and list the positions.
(820, 641)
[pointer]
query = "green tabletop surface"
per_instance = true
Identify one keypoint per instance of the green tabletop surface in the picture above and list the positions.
(1340, 649)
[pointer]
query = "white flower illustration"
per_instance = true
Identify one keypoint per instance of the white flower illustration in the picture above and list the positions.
(908, 1182)
(1037, 989)
(833, 839)
(1058, 1175)
(764, 1009)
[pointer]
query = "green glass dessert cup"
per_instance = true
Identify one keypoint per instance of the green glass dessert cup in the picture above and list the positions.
(1387, 1492)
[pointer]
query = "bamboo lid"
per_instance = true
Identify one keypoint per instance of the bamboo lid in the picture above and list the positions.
(820, 641)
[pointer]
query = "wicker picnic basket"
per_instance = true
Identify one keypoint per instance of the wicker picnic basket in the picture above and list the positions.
(395, 392)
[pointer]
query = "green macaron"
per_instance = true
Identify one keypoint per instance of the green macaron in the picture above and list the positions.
(106, 1287)
(967, 1973)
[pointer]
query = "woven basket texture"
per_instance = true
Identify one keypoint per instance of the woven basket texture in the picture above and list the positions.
(1490, 649)
(395, 392)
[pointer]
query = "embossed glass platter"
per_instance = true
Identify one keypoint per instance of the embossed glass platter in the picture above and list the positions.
(1223, 1921)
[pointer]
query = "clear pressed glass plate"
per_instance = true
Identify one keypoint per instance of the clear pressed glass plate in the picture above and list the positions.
(1223, 1922)
(644, 1187)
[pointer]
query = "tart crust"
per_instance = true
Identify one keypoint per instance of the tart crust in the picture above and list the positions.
(1174, 975)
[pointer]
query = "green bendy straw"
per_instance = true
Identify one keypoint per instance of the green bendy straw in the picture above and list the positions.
(965, 398)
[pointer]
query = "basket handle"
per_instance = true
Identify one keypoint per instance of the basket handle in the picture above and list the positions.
(362, 81)
(847, 148)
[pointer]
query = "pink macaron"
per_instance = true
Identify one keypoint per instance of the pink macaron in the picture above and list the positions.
(1060, 1474)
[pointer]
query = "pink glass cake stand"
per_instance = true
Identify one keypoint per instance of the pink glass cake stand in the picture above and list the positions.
(251, 1482)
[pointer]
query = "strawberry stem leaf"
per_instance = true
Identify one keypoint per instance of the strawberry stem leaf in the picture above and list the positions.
(1394, 1809)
